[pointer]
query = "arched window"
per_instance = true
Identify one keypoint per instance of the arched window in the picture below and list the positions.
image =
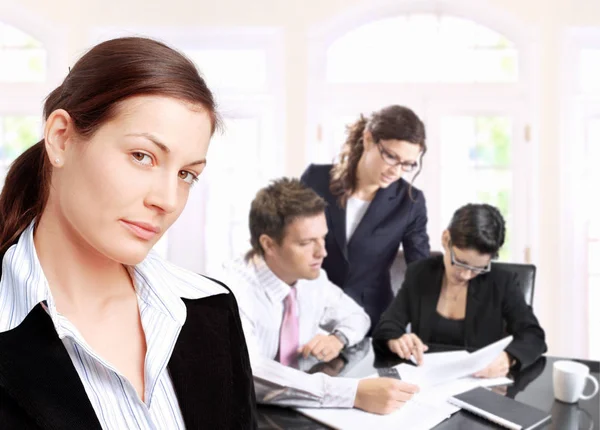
(23, 57)
(422, 48)
(465, 76)
(580, 158)
(23, 76)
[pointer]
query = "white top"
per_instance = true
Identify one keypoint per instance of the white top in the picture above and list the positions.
(355, 210)
(159, 286)
(322, 306)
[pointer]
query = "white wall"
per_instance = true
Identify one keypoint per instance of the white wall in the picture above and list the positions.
(547, 20)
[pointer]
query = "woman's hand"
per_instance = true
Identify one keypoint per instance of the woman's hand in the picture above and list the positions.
(499, 367)
(406, 345)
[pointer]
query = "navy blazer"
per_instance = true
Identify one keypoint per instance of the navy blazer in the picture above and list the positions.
(41, 390)
(361, 267)
(495, 308)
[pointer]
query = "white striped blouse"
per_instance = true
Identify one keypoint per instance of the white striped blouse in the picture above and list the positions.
(159, 286)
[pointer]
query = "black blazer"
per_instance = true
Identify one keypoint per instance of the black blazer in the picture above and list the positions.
(361, 267)
(495, 307)
(209, 367)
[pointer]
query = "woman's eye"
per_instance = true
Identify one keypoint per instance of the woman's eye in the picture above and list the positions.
(391, 157)
(142, 158)
(187, 177)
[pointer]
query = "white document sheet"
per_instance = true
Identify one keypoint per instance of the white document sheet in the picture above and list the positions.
(413, 416)
(423, 412)
(453, 365)
(441, 376)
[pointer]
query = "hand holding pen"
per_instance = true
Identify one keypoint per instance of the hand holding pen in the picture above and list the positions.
(408, 347)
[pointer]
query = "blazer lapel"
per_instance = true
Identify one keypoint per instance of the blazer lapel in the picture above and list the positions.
(380, 207)
(473, 304)
(201, 362)
(36, 370)
(338, 224)
(432, 286)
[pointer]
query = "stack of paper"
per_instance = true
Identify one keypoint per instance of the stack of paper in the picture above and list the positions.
(452, 365)
(441, 376)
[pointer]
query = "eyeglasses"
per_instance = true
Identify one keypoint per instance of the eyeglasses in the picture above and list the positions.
(392, 160)
(463, 266)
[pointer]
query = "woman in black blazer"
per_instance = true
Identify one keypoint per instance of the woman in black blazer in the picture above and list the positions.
(96, 331)
(371, 209)
(462, 299)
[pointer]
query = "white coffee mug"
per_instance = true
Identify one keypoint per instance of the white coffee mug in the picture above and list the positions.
(569, 378)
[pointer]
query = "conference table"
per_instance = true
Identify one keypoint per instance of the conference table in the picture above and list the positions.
(532, 386)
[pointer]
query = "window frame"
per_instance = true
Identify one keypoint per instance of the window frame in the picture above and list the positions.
(427, 99)
(578, 108)
(185, 242)
(27, 98)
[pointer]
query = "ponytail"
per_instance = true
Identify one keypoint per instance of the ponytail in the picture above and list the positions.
(24, 194)
(344, 174)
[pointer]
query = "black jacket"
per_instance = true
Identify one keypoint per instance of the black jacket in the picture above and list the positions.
(361, 267)
(495, 308)
(209, 367)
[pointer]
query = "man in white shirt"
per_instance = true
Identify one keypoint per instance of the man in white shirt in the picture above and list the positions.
(289, 307)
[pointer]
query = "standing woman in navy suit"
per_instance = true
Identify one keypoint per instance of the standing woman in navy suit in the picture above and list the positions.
(371, 209)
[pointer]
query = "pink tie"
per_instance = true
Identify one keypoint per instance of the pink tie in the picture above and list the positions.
(289, 334)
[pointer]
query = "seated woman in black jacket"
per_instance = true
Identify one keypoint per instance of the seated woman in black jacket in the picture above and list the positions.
(462, 299)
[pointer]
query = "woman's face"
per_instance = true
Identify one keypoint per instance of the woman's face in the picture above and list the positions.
(120, 190)
(468, 263)
(382, 159)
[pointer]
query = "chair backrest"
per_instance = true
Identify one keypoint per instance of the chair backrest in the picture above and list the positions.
(398, 270)
(526, 276)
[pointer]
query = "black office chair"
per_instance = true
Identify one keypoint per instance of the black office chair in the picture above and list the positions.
(398, 270)
(525, 275)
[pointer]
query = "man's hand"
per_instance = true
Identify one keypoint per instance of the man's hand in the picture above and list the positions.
(499, 367)
(383, 395)
(323, 347)
(406, 345)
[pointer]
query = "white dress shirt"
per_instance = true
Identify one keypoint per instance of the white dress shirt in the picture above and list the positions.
(355, 211)
(322, 306)
(159, 286)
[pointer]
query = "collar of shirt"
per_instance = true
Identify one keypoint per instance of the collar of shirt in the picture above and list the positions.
(157, 282)
(275, 288)
(159, 286)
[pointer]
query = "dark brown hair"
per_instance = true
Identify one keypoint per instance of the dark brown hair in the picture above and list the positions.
(105, 76)
(276, 206)
(392, 122)
(478, 226)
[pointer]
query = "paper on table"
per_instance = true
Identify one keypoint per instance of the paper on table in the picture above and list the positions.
(441, 376)
(413, 415)
(452, 365)
(426, 410)
(431, 359)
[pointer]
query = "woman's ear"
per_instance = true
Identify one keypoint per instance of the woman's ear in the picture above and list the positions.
(367, 140)
(57, 131)
(446, 240)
